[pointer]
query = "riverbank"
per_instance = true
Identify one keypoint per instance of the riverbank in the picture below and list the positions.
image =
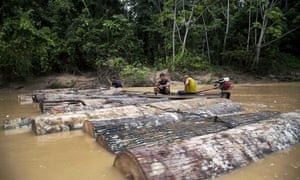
(91, 80)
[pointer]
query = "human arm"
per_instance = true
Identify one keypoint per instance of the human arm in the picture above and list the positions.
(186, 84)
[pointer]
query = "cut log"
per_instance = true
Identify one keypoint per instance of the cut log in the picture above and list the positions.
(50, 124)
(17, 123)
(208, 156)
(25, 99)
(69, 93)
(152, 109)
(186, 105)
(47, 104)
(117, 138)
(64, 122)
(94, 104)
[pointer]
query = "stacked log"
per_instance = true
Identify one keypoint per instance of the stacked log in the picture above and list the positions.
(38, 95)
(151, 109)
(25, 99)
(94, 104)
(46, 105)
(209, 156)
(63, 122)
(96, 127)
(52, 124)
(17, 123)
(117, 138)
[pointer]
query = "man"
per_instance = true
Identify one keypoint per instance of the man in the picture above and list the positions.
(225, 88)
(190, 85)
(116, 83)
(163, 85)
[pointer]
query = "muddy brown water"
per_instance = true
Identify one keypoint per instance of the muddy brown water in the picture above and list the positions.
(75, 155)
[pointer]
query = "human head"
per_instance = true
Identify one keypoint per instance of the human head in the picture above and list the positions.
(187, 75)
(113, 78)
(162, 76)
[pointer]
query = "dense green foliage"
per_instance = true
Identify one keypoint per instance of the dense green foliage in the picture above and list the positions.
(120, 37)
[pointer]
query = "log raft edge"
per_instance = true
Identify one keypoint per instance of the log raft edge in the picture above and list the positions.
(209, 156)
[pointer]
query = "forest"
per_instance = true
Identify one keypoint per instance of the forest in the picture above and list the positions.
(40, 37)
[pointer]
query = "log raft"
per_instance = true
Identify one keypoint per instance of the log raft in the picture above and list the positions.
(94, 104)
(117, 138)
(209, 156)
(153, 109)
(46, 124)
(17, 123)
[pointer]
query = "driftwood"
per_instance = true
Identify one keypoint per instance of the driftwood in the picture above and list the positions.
(117, 138)
(208, 156)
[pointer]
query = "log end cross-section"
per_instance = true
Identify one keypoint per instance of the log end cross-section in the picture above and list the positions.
(129, 166)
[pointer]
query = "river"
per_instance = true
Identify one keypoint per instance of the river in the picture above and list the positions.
(75, 155)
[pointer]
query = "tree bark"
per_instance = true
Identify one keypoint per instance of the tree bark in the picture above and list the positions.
(208, 156)
(187, 126)
(227, 25)
(187, 28)
(206, 38)
(249, 25)
(173, 35)
(93, 126)
(261, 36)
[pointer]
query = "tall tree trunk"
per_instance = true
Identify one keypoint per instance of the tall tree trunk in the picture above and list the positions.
(187, 28)
(206, 38)
(261, 36)
(227, 25)
(173, 35)
(255, 31)
(249, 25)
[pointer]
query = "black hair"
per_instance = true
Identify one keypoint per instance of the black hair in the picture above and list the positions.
(187, 73)
(162, 74)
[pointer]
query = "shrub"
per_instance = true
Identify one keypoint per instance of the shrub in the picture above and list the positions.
(58, 85)
(136, 75)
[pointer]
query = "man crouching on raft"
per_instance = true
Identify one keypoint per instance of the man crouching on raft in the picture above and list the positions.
(190, 85)
(163, 85)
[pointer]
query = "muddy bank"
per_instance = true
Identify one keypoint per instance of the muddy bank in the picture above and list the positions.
(91, 80)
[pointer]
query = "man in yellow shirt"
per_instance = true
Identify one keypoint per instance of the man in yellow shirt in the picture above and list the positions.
(190, 85)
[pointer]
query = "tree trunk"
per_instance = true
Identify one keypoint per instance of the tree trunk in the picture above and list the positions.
(187, 126)
(208, 156)
(206, 38)
(260, 40)
(227, 25)
(249, 25)
(92, 126)
(173, 36)
(187, 28)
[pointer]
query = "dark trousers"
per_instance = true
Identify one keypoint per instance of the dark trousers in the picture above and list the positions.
(225, 95)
